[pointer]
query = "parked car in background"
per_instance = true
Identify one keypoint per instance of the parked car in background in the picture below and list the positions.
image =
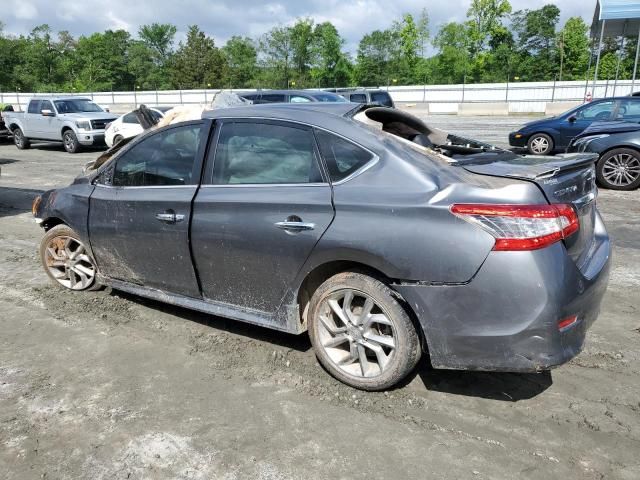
(74, 121)
(291, 96)
(384, 243)
(618, 147)
(366, 95)
(4, 130)
(550, 135)
(128, 125)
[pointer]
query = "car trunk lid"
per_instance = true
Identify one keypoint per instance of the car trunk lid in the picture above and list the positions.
(567, 178)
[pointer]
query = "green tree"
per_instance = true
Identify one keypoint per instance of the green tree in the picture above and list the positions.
(159, 38)
(451, 63)
(241, 58)
(101, 62)
(575, 45)
(302, 50)
(376, 54)
(484, 17)
(277, 57)
(331, 66)
(198, 62)
(536, 42)
(409, 45)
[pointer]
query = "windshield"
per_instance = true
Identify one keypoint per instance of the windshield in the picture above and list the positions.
(76, 106)
(328, 97)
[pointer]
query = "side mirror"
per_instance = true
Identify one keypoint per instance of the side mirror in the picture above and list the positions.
(47, 113)
(572, 118)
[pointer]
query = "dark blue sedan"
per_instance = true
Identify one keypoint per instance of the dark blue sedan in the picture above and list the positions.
(549, 135)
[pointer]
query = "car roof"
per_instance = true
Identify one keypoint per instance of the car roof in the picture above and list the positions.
(284, 92)
(285, 111)
(59, 97)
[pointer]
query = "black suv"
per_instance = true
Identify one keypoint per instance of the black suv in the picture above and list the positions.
(366, 95)
(291, 96)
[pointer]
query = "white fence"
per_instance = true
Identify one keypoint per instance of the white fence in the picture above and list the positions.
(521, 97)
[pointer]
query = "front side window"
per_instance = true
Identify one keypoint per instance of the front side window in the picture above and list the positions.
(596, 111)
(358, 98)
(342, 157)
(259, 153)
(165, 158)
(34, 106)
(46, 105)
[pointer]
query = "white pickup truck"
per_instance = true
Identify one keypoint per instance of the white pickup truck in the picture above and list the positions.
(74, 121)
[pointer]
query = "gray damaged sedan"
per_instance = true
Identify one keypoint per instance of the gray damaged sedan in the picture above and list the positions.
(384, 238)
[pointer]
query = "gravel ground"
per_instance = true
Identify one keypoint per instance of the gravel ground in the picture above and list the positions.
(106, 385)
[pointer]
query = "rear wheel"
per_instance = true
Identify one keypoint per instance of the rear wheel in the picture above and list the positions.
(70, 141)
(67, 260)
(117, 139)
(540, 144)
(20, 140)
(360, 332)
(619, 169)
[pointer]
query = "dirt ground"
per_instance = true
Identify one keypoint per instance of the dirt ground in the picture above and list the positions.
(105, 385)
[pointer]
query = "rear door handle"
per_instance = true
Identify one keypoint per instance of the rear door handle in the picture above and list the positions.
(295, 226)
(170, 217)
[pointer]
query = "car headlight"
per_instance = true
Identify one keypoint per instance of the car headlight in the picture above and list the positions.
(582, 143)
(84, 125)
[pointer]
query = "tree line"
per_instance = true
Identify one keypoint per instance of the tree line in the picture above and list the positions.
(493, 44)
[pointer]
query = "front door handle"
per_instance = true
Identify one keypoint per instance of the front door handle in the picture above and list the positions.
(170, 217)
(294, 226)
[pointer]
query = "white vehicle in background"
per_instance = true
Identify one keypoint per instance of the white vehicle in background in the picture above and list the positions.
(127, 125)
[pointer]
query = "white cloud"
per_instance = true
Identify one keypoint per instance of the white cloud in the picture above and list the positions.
(224, 18)
(24, 10)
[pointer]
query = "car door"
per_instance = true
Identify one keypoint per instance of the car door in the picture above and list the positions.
(32, 120)
(140, 210)
(263, 206)
(574, 124)
(49, 125)
(129, 126)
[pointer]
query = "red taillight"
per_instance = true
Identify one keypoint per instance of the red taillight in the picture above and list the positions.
(521, 227)
(567, 322)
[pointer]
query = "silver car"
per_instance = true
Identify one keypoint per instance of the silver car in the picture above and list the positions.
(74, 121)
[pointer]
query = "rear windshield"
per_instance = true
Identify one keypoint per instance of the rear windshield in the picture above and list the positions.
(76, 106)
(382, 98)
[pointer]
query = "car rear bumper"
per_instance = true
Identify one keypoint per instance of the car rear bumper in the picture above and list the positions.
(517, 139)
(506, 318)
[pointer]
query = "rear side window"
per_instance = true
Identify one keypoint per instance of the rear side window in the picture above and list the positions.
(257, 153)
(358, 98)
(34, 106)
(130, 118)
(382, 98)
(273, 98)
(342, 157)
(165, 158)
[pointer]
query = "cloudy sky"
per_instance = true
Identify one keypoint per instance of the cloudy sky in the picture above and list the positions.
(224, 18)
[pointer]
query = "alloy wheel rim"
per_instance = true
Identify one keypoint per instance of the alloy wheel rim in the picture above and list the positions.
(68, 141)
(621, 169)
(539, 145)
(18, 137)
(68, 262)
(356, 334)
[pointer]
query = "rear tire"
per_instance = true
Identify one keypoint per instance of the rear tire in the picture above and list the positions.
(20, 140)
(117, 139)
(70, 142)
(540, 144)
(360, 332)
(619, 169)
